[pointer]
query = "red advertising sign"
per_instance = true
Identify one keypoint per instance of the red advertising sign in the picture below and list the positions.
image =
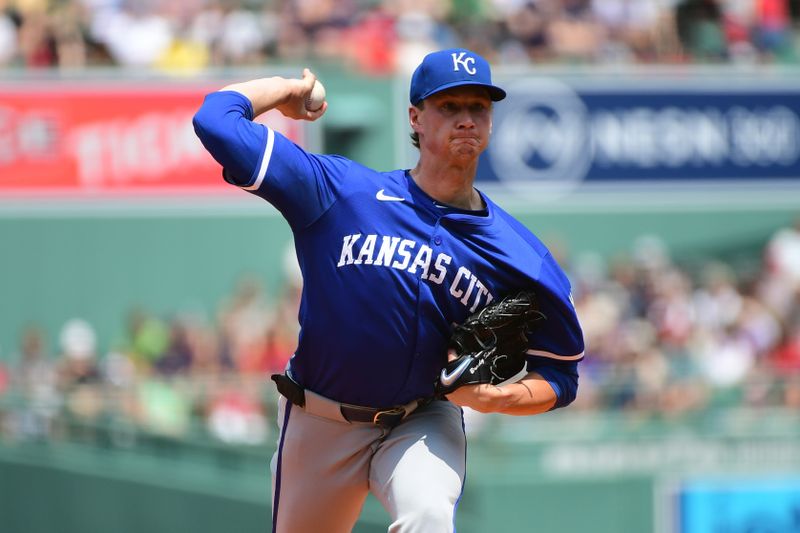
(72, 140)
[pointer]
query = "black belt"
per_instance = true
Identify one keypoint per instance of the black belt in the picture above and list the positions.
(388, 417)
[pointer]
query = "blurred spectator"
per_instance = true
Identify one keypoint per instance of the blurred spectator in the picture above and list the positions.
(177, 357)
(136, 35)
(772, 28)
(148, 338)
(69, 35)
(163, 407)
(527, 27)
(421, 27)
(700, 29)
(244, 320)
(35, 377)
(637, 30)
(372, 41)
(78, 361)
(282, 333)
(235, 414)
(783, 255)
(209, 359)
(717, 301)
(243, 36)
(8, 39)
(35, 41)
(78, 375)
(574, 33)
(671, 311)
(785, 358)
(738, 20)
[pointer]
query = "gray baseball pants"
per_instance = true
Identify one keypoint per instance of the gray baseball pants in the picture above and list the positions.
(325, 466)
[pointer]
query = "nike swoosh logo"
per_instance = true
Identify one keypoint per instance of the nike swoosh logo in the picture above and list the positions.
(448, 379)
(383, 197)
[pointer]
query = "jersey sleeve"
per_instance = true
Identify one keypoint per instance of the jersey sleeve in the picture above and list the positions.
(556, 347)
(260, 160)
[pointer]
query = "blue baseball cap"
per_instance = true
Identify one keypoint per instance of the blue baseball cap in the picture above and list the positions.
(450, 68)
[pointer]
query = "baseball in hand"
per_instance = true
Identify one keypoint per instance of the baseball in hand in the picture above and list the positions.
(316, 97)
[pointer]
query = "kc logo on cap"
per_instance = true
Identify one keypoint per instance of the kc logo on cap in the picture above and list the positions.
(450, 68)
(458, 59)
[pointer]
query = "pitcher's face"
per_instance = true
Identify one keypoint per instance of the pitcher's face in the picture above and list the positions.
(454, 123)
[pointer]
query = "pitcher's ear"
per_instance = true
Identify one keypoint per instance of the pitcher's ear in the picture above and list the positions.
(413, 117)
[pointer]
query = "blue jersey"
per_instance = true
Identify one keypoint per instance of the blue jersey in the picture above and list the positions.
(387, 271)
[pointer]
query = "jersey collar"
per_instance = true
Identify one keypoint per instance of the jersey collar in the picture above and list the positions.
(484, 217)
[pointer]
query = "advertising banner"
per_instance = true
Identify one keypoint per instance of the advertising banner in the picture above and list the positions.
(564, 134)
(739, 505)
(132, 139)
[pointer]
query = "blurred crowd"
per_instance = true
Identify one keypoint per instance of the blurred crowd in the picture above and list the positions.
(384, 36)
(670, 340)
(663, 341)
(178, 376)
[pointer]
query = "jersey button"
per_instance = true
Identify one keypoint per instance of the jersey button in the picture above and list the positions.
(437, 240)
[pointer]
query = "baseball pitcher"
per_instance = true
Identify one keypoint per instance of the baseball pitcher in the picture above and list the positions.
(420, 296)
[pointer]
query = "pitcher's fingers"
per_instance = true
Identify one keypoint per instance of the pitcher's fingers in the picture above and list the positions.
(309, 78)
(314, 115)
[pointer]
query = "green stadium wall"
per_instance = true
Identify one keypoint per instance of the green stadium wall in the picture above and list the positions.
(568, 471)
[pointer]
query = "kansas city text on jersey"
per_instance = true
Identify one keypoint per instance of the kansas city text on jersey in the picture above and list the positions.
(417, 259)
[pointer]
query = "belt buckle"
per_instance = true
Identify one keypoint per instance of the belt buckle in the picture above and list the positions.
(394, 411)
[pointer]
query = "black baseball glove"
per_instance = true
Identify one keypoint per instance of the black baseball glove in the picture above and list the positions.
(491, 344)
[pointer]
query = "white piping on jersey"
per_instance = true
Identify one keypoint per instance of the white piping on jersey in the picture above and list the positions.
(262, 171)
(541, 353)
